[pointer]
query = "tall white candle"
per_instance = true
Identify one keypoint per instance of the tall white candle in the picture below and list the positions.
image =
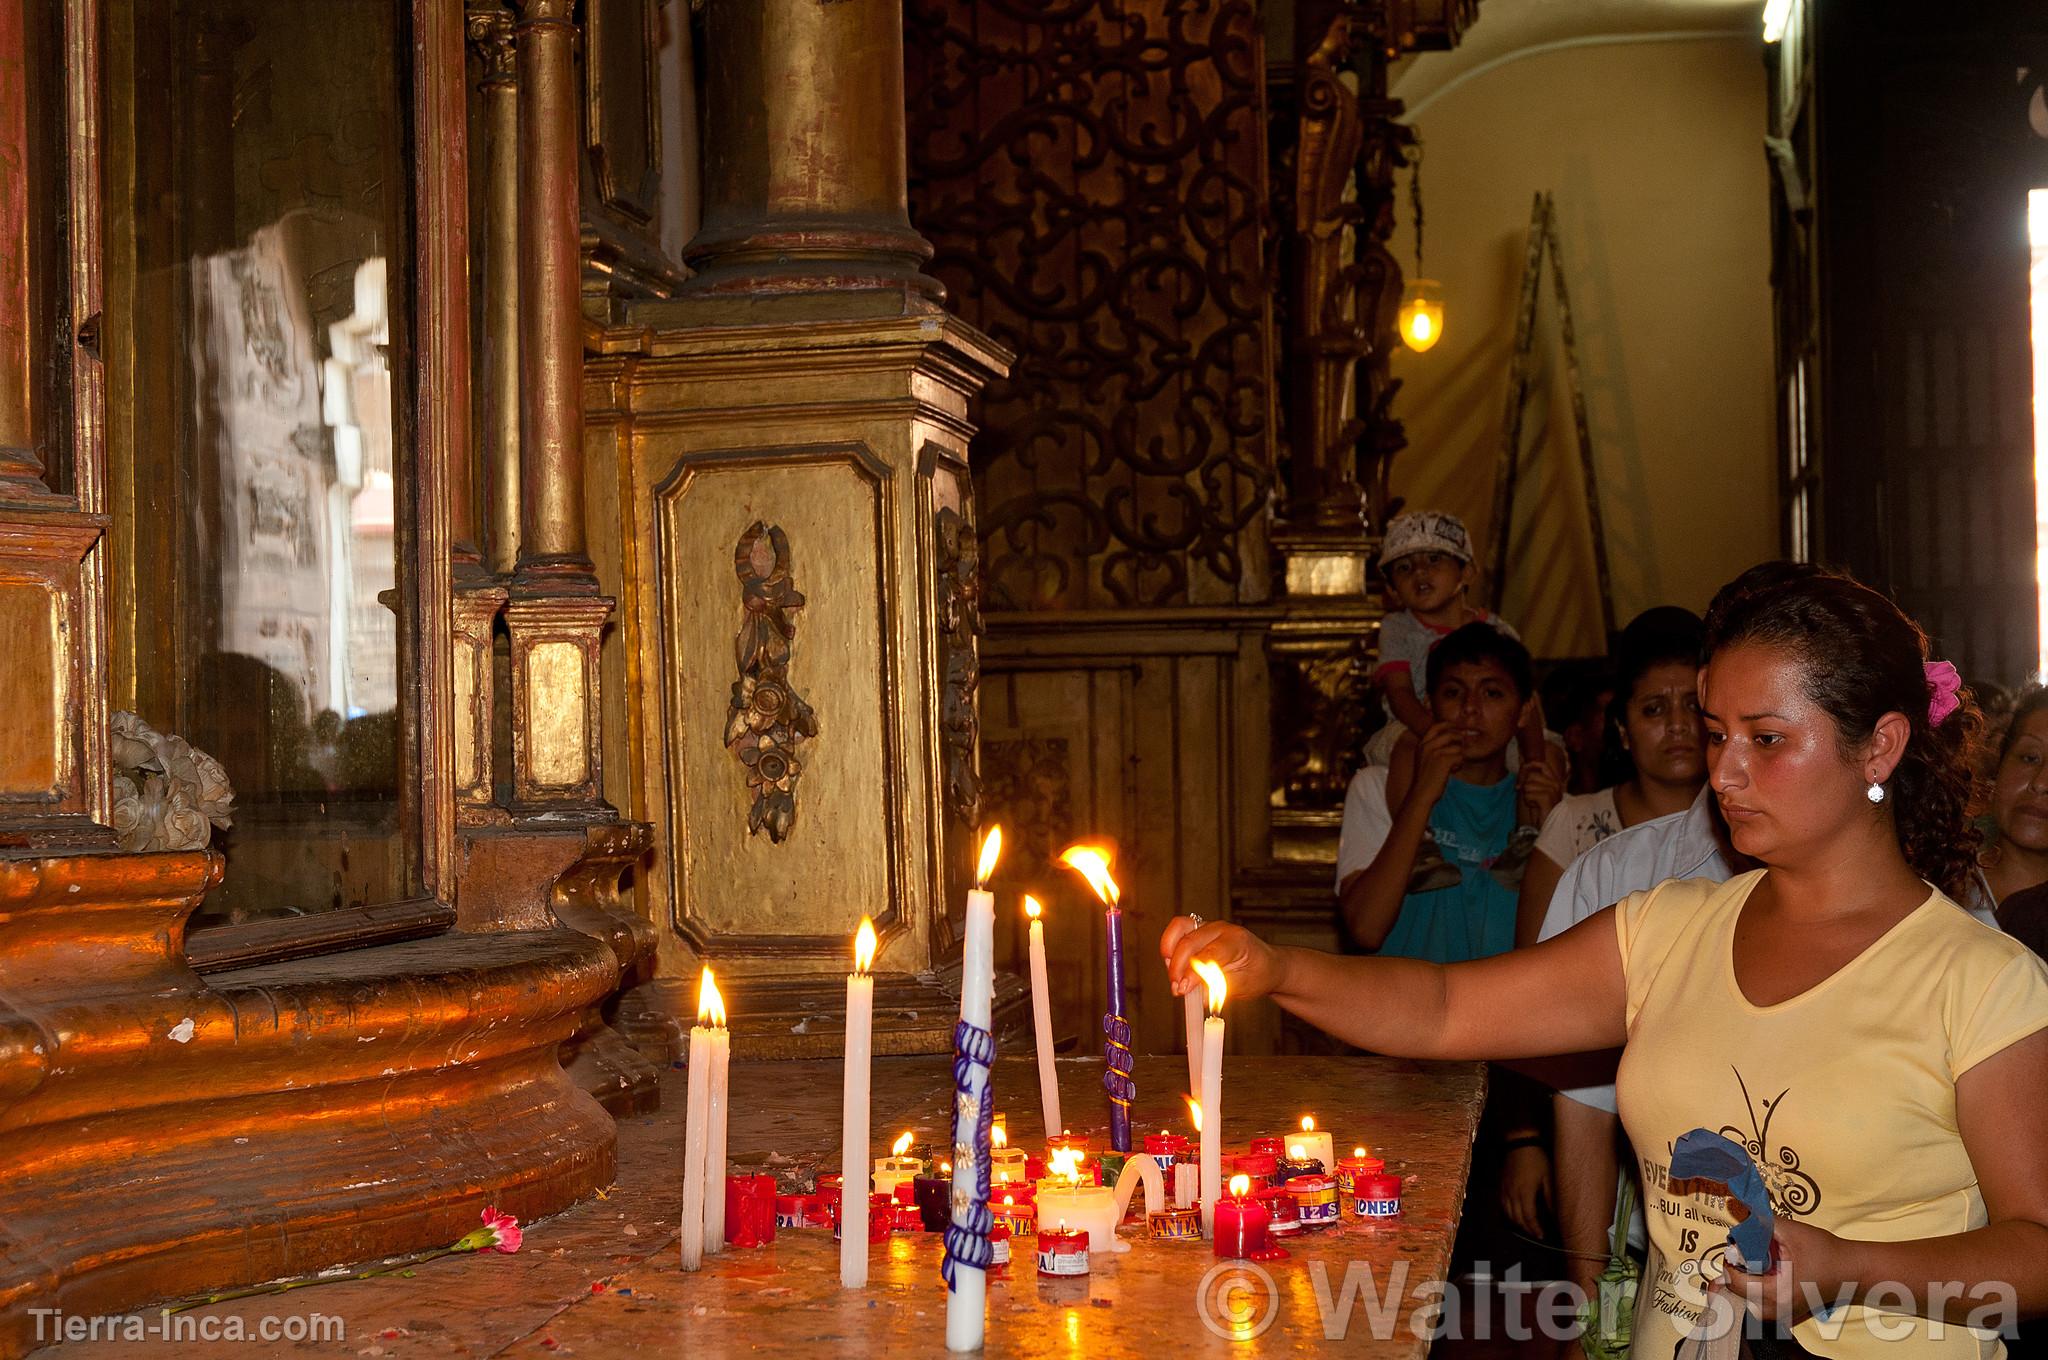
(853, 1113)
(1041, 1019)
(697, 1129)
(1192, 1006)
(1212, 1095)
(715, 1128)
(967, 1303)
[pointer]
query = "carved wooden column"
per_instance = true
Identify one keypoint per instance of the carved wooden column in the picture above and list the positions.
(804, 177)
(1344, 291)
(556, 614)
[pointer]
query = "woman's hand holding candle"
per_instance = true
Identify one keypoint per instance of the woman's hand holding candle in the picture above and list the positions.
(1255, 968)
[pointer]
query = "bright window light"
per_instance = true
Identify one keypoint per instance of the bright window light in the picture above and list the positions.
(1776, 12)
(2037, 274)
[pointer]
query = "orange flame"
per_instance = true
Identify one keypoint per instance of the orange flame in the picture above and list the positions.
(1240, 1186)
(1308, 1123)
(1212, 977)
(991, 849)
(864, 946)
(1031, 907)
(1296, 1152)
(900, 1146)
(1092, 863)
(710, 1005)
(997, 1137)
(1066, 1164)
(1358, 1152)
(1194, 1112)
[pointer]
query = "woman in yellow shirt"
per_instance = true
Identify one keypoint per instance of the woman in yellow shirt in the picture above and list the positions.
(1882, 1055)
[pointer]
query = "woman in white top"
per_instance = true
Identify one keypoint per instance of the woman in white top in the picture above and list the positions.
(1655, 723)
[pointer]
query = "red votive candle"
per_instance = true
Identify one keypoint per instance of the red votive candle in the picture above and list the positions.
(1165, 1148)
(749, 1210)
(1351, 1169)
(881, 1218)
(793, 1211)
(1315, 1201)
(1260, 1166)
(1378, 1196)
(1283, 1220)
(1242, 1230)
(1269, 1147)
(1020, 1216)
(1063, 1251)
(1034, 1168)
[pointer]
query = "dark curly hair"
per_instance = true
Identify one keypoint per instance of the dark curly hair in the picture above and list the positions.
(1863, 658)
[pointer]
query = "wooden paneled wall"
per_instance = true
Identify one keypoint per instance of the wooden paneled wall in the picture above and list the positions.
(1145, 729)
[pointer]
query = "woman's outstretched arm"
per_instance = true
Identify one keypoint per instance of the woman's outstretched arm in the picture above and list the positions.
(1562, 996)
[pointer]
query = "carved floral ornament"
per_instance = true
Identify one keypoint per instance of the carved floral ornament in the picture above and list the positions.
(766, 720)
(168, 794)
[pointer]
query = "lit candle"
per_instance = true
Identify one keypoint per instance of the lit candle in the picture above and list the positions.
(1187, 1172)
(714, 1147)
(853, 1112)
(968, 1250)
(1092, 863)
(897, 1170)
(1066, 1196)
(1314, 1144)
(1241, 1224)
(697, 1184)
(1212, 1094)
(1192, 1006)
(1008, 1166)
(1041, 1019)
(1352, 1169)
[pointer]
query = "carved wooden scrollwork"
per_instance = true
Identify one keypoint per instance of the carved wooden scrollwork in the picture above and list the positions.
(960, 627)
(1028, 785)
(1092, 175)
(766, 720)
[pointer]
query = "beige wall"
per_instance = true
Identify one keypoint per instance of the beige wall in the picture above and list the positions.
(1654, 151)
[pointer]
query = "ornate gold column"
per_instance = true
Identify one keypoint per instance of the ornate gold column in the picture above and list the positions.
(804, 163)
(556, 613)
(785, 448)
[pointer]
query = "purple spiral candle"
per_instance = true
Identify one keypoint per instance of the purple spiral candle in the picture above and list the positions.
(1116, 1042)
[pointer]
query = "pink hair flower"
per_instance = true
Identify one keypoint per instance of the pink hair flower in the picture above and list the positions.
(500, 1233)
(1944, 691)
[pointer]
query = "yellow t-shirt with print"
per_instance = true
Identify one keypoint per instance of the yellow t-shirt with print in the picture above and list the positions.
(1844, 1095)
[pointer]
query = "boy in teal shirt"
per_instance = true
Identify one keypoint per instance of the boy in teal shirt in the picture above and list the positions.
(1479, 682)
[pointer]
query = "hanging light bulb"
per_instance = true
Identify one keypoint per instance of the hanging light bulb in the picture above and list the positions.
(1421, 317)
(1422, 314)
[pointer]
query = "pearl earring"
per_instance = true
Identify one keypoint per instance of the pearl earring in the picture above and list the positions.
(1875, 793)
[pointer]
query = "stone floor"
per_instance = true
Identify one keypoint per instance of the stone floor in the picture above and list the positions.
(603, 1278)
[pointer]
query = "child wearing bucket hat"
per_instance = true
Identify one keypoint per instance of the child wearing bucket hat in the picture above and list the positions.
(1426, 558)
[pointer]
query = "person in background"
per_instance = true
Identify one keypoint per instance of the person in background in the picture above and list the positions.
(1479, 682)
(1575, 696)
(2016, 856)
(1426, 559)
(1654, 731)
